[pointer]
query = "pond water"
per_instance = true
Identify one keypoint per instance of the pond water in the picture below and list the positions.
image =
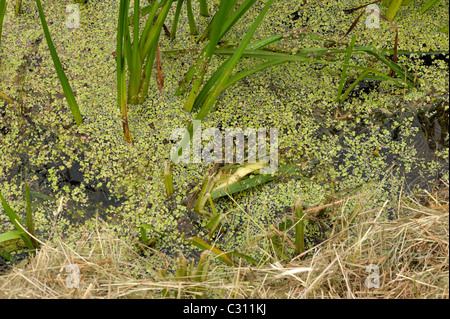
(382, 140)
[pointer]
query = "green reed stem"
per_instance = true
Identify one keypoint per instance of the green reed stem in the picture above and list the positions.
(121, 65)
(191, 19)
(393, 8)
(168, 180)
(204, 11)
(344, 69)
(176, 18)
(299, 228)
(17, 7)
(3, 5)
(135, 66)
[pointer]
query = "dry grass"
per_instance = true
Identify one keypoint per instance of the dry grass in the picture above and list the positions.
(410, 254)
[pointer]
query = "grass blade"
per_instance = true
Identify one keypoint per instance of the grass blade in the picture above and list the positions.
(191, 20)
(5, 97)
(173, 31)
(59, 69)
(204, 11)
(30, 222)
(351, 87)
(203, 245)
(18, 6)
(299, 228)
(143, 12)
(221, 84)
(2, 15)
(393, 8)
(205, 57)
(428, 5)
(344, 69)
(240, 11)
(303, 57)
(236, 255)
(211, 28)
(148, 51)
(148, 27)
(231, 64)
(150, 38)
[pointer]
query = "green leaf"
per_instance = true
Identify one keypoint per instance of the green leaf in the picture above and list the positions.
(14, 218)
(143, 230)
(344, 69)
(429, 4)
(221, 83)
(205, 57)
(30, 222)
(59, 69)
(10, 235)
(254, 181)
(203, 245)
(2, 15)
(236, 255)
(4, 254)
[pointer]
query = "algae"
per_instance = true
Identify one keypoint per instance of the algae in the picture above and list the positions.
(374, 141)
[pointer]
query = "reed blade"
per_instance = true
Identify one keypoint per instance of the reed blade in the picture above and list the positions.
(59, 69)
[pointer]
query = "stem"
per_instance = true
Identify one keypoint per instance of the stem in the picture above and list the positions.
(299, 228)
(204, 8)
(173, 31)
(121, 63)
(168, 180)
(59, 69)
(190, 14)
(393, 8)
(30, 223)
(352, 86)
(135, 65)
(18, 7)
(344, 69)
(5, 97)
(2, 14)
(143, 91)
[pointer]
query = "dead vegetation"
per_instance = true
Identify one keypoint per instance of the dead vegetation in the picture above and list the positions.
(403, 258)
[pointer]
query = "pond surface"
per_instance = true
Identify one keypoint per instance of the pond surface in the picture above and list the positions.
(381, 141)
